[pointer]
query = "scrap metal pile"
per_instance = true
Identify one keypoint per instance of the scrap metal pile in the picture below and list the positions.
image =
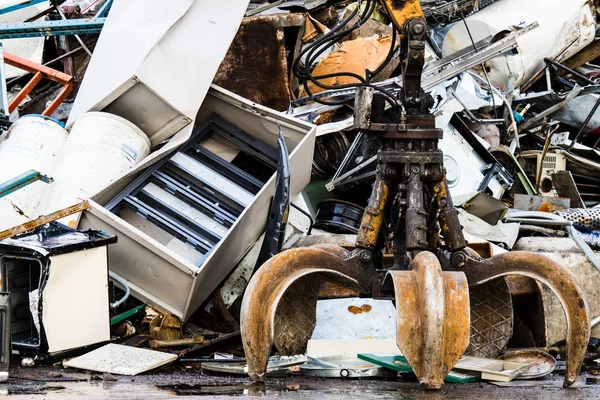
(363, 189)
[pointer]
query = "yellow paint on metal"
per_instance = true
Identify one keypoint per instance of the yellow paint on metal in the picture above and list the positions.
(402, 11)
(373, 217)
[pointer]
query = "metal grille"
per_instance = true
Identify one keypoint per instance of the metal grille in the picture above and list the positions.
(585, 219)
(491, 319)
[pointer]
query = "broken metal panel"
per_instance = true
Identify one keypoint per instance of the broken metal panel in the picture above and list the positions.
(256, 65)
(130, 78)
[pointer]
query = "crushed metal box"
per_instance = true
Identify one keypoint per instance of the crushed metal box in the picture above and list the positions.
(164, 277)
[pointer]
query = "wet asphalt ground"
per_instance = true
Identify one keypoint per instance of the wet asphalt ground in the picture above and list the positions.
(49, 382)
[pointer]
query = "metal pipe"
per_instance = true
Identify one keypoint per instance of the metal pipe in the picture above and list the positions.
(117, 303)
(585, 123)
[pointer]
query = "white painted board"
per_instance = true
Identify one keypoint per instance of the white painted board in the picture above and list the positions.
(121, 360)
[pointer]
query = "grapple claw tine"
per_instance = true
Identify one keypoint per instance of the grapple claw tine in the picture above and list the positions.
(433, 318)
(273, 279)
(561, 281)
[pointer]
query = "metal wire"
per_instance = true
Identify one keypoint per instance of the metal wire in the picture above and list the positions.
(316, 49)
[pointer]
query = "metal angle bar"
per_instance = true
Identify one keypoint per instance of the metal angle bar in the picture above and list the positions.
(203, 189)
(104, 9)
(355, 143)
(183, 193)
(331, 185)
(51, 28)
(178, 215)
(227, 169)
(46, 219)
(4, 94)
(466, 52)
(165, 222)
(461, 66)
(19, 182)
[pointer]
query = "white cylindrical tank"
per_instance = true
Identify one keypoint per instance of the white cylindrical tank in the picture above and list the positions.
(565, 27)
(100, 149)
(32, 142)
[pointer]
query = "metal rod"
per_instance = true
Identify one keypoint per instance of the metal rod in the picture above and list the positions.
(569, 70)
(46, 219)
(77, 37)
(585, 123)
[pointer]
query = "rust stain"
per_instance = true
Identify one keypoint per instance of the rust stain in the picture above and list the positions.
(365, 308)
(546, 206)
(18, 210)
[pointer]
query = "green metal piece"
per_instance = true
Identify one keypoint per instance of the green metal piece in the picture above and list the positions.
(122, 317)
(19, 182)
(398, 363)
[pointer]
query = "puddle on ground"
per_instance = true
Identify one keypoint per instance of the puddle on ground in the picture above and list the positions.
(230, 390)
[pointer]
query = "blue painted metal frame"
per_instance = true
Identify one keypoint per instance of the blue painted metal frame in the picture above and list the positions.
(18, 6)
(104, 9)
(19, 182)
(51, 28)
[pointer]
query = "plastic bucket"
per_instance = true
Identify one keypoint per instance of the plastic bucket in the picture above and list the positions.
(32, 142)
(101, 148)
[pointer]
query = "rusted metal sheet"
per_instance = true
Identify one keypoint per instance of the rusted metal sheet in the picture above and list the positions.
(562, 283)
(267, 289)
(433, 318)
(46, 219)
(256, 65)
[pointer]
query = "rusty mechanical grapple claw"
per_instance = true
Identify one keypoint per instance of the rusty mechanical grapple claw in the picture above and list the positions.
(265, 305)
(433, 318)
(559, 280)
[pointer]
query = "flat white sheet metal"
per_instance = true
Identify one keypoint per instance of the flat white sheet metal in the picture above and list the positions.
(121, 360)
(173, 47)
(75, 300)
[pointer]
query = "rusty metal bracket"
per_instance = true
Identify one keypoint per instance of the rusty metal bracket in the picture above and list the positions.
(266, 294)
(433, 317)
(559, 280)
(39, 72)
